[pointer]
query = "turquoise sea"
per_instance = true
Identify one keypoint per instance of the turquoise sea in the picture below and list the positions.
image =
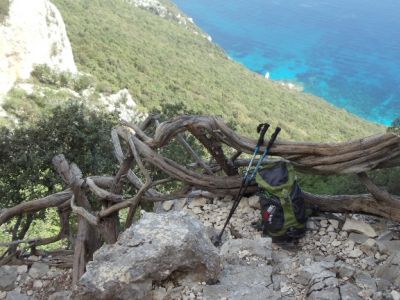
(346, 51)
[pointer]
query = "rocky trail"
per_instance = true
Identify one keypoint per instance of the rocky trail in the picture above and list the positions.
(169, 256)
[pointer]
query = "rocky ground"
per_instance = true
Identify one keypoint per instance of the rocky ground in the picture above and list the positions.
(341, 257)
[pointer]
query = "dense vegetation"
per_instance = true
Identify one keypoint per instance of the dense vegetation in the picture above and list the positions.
(169, 69)
(161, 61)
(4, 7)
(26, 171)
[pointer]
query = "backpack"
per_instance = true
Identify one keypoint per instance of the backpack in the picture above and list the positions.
(283, 210)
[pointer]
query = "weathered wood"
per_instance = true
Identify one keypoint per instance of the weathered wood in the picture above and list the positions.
(214, 147)
(319, 158)
(356, 156)
(32, 206)
(365, 203)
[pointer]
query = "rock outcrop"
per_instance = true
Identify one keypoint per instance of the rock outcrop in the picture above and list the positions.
(158, 247)
(32, 33)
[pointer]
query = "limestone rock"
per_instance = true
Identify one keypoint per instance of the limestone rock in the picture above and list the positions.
(122, 102)
(385, 236)
(363, 279)
(349, 292)
(242, 282)
(334, 223)
(232, 249)
(157, 246)
(344, 270)
(390, 270)
(326, 294)
(197, 202)
(358, 237)
(38, 269)
(389, 247)
(64, 295)
(395, 295)
(354, 253)
(167, 205)
(254, 202)
(8, 276)
(315, 270)
(16, 295)
(352, 225)
(33, 33)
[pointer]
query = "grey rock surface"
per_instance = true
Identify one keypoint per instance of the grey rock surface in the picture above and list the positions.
(349, 292)
(390, 270)
(313, 271)
(352, 225)
(243, 282)
(358, 237)
(64, 295)
(38, 270)
(233, 251)
(8, 276)
(16, 295)
(156, 247)
(389, 247)
(326, 294)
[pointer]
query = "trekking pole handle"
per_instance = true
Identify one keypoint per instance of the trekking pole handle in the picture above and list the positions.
(273, 137)
(262, 129)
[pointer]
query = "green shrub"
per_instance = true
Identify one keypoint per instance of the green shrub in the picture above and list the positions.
(77, 82)
(46, 75)
(160, 61)
(4, 8)
(395, 127)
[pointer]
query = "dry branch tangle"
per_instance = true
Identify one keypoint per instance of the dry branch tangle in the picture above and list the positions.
(356, 156)
(323, 158)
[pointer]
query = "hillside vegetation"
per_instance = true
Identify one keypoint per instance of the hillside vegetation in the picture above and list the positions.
(4, 6)
(161, 61)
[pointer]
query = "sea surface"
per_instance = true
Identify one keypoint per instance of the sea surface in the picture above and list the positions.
(346, 51)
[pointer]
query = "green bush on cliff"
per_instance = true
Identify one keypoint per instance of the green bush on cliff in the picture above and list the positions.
(4, 8)
(395, 127)
(161, 61)
(76, 82)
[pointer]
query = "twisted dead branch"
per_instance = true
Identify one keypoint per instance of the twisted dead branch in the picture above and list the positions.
(217, 178)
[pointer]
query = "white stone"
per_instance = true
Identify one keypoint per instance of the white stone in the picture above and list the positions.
(122, 102)
(254, 202)
(33, 33)
(198, 202)
(167, 205)
(330, 229)
(37, 284)
(334, 223)
(352, 225)
(395, 295)
(152, 249)
(324, 223)
(355, 253)
(22, 269)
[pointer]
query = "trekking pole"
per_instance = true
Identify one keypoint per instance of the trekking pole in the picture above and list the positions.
(246, 181)
(266, 152)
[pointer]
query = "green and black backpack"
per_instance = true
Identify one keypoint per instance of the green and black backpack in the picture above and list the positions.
(283, 210)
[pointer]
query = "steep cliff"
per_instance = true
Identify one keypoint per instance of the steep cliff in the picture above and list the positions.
(33, 32)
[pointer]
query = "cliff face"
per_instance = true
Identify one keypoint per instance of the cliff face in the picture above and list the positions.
(32, 33)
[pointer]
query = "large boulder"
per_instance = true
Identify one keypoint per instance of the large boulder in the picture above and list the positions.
(390, 270)
(157, 246)
(352, 225)
(8, 277)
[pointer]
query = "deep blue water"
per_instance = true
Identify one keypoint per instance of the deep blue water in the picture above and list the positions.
(346, 51)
